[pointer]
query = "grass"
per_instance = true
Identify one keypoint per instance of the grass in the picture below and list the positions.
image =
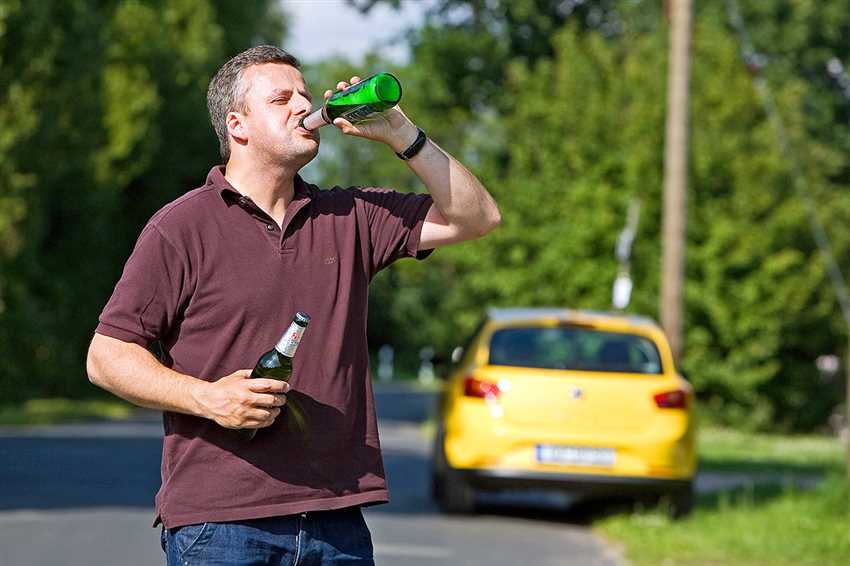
(770, 522)
(734, 451)
(58, 410)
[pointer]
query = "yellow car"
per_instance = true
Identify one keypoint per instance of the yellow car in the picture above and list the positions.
(583, 402)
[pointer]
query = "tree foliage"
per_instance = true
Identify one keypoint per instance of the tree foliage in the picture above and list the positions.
(102, 121)
(567, 131)
(558, 106)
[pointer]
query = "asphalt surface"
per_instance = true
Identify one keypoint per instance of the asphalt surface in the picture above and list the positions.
(82, 495)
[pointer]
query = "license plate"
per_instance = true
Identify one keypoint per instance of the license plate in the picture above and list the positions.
(575, 455)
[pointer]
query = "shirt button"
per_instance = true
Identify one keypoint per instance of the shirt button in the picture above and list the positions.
(270, 227)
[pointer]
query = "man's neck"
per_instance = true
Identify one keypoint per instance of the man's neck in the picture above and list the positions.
(271, 188)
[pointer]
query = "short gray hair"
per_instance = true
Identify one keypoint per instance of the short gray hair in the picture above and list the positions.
(226, 92)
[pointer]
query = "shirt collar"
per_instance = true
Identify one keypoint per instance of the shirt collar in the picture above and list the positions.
(230, 195)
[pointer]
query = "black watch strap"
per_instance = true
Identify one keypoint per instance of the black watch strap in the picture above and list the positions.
(415, 147)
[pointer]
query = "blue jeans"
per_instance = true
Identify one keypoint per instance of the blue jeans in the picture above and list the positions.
(310, 539)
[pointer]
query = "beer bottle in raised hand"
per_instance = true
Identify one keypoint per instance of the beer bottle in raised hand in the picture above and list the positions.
(358, 102)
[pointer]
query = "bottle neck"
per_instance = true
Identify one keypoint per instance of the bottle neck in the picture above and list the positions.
(290, 340)
(315, 119)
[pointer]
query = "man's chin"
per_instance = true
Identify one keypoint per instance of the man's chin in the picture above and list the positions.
(303, 156)
(311, 154)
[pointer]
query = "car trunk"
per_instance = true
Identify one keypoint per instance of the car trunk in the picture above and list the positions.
(578, 402)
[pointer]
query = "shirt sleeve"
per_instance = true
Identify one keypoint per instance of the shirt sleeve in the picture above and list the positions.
(147, 300)
(395, 224)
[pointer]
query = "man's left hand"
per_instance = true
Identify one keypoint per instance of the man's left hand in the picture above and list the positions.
(391, 127)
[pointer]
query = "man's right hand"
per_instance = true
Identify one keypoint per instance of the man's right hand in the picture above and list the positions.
(237, 401)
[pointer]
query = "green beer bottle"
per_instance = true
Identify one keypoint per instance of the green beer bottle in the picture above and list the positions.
(358, 102)
(277, 364)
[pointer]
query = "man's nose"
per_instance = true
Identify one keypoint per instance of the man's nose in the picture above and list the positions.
(303, 106)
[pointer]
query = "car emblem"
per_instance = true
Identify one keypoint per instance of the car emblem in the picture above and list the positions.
(577, 393)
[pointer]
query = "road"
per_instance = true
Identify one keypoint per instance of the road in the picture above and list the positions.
(81, 495)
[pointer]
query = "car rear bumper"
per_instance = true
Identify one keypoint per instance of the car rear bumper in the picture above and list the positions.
(584, 484)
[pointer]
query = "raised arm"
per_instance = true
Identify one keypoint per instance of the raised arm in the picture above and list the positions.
(463, 209)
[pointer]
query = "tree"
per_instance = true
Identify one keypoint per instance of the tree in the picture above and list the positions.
(566, 138)
(103, 120)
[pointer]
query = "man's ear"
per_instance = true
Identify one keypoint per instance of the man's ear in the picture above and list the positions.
(236, 127)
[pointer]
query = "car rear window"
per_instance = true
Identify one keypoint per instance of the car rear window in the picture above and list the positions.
(574, 347)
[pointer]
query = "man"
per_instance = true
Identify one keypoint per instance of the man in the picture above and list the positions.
(217, 275)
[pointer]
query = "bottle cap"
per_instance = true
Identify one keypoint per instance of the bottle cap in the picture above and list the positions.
(301, 318)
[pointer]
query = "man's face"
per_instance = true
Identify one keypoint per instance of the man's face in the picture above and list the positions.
(276, 99)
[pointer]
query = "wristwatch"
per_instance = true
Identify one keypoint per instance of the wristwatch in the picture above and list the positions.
(415, 147)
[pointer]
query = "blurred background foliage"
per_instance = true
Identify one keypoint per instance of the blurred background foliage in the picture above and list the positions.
(102, 121)
(557, 105)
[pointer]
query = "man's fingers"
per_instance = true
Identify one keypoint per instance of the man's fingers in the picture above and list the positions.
(257, 423)
(342, 85)
(273, 414)
(344, 125)
(263, 385)
(269, 401)
(259, 418)
(240, 374)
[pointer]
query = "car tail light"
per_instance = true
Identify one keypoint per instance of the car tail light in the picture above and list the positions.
(676, 399)
(473, 387)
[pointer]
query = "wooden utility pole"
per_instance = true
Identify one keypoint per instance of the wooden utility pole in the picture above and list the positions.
(676, 174)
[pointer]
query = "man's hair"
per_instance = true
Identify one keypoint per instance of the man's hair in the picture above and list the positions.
(227, 90)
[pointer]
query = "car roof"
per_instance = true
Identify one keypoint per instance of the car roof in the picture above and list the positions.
(569, 315)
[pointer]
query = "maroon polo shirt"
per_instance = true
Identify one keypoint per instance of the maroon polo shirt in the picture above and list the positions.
(216, 281)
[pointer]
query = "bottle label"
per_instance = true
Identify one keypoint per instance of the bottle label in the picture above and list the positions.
(290, 340)
(360, 113)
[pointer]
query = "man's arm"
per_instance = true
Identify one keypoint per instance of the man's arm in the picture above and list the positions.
(132, 373)
(463, 209)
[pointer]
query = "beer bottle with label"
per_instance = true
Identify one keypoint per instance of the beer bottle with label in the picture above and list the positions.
(277, 364)
(358, 102)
